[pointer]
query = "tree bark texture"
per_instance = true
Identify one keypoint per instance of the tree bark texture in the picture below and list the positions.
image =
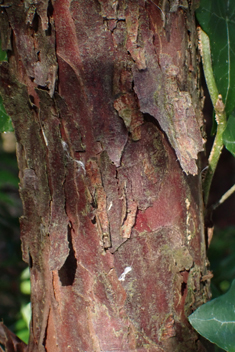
(105, 103)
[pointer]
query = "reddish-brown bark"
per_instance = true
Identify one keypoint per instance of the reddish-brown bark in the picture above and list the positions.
(112, 226)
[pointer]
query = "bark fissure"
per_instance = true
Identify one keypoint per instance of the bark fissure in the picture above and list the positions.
(68, 270)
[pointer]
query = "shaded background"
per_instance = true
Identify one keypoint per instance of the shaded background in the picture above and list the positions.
(221, 252)
(14, 276)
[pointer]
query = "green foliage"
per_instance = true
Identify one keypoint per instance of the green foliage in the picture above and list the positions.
(22, 324)
(3, 54)
(25, 282)
(229, 134)
(221, 255)
(217, 19)
(5, 120)
(13, 277)
(6, 177)
(215, 320)
(21, 330)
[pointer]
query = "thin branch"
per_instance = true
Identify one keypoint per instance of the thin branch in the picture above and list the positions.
(224, 197)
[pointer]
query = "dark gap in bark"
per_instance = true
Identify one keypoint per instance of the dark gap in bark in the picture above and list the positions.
(31, 98)
(39, 55)
(183, 288)
(30, 261)
(150, 118)
(132, 85)
(45, 336)
(94, 202)
(31, 103)
(50, 9)
(68, 270)
(48, 30)
(43, 88)
(79, 151)
(35, 22)
(93, 220)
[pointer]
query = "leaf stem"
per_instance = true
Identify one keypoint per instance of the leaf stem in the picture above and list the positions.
(204, 46)
(213, 160)
(216, 98)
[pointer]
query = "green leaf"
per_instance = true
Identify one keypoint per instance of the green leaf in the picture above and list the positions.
(25, 287)
(217, 19)
(26, 313)
(23, 335)
(21, 330)
(229, 134)
(215, 320)
(25, 275)
(5, 121)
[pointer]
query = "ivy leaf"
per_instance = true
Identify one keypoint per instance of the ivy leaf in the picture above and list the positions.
(229, 134)
(217, 19)
(215, 320)
(5, 121)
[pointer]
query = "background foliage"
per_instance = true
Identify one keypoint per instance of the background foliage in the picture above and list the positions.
(217, 19)
(215, 320)
(5, 121)
(14, 275)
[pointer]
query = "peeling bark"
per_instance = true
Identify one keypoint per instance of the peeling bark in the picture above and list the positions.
(105, 103)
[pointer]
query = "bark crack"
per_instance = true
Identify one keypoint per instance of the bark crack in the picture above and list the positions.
(68, 270)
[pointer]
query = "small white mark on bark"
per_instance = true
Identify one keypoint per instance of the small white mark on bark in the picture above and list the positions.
(80, 164)
(45, 138)
(188, 220)
(125, 272)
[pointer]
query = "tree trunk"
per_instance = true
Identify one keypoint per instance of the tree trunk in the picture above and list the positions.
(105, 103)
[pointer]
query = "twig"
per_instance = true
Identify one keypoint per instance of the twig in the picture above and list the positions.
(224, 197)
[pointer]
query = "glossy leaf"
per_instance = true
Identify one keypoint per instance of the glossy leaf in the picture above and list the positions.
(229, 134)
(217, 19)
(215, 320)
